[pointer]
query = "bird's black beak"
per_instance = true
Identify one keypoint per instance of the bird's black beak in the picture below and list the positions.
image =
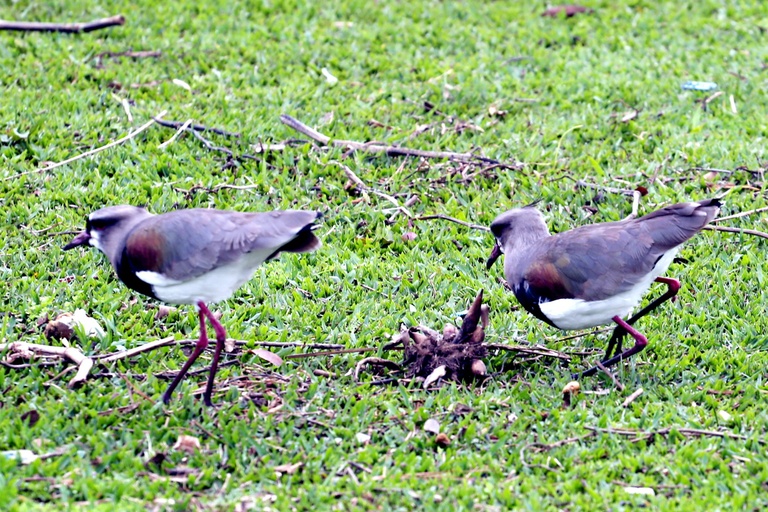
(80, 239)
(495, 253)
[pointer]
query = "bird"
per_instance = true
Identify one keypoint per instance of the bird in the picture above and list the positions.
(595, 274)
(194, 256)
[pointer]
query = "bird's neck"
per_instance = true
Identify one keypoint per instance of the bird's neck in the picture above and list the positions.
(516, 245)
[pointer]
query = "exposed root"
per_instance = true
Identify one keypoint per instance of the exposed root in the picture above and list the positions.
(460, 351)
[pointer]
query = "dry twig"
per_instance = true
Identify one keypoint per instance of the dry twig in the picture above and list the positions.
(531, 351)
(21, 349)
(451, 219)
(195, 127)
(641, 435)
(631, 398)
(376, 147)
(375, 361)
(169, 341)
(742, 231)
(128, 53)
(70, 28)
(330, 353)
(740, 214)
(212, 190)
(610, 190)
(365, 188)
(128, 137)
(636, 195)
(608, 372)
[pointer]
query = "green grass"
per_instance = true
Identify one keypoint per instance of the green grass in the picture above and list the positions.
(248, 62)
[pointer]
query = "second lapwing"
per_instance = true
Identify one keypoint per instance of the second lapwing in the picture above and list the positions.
(597, 274)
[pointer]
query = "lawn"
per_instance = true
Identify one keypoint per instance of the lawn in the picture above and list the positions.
(581, 111)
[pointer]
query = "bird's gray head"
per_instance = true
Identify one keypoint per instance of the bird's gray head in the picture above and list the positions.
(107, 228)
(516, 228)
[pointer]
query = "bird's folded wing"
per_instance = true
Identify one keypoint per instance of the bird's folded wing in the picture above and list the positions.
(183, 245)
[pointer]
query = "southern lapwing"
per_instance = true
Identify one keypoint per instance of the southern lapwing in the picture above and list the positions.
(596, 274)
(194, 256)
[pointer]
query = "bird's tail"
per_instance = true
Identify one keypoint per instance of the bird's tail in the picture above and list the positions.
(676, 223)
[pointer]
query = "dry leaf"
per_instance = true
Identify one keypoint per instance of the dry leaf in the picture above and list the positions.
(628, 116)
(436, 374)
(163, 311)
(185, 443)
(569, 10)
(332, 80)
(288, 469)
(494, 111)
(268, 356)
(90, 326)
(30, 417)
(432, 426)
(646, 491)
(182, 84)
(725, 416)
(23, 456)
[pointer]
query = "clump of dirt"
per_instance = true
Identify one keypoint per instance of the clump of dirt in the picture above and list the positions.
(458, 350)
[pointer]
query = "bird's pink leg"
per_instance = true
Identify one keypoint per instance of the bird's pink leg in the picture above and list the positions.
(614, 354)
(221, 337)
(640, 343)
(202, 343)
(614, 344)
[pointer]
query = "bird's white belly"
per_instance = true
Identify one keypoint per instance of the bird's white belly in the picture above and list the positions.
(214, 286)
(570, 314)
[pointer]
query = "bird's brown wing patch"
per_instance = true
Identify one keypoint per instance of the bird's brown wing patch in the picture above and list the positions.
(546, 281)
(143, 249)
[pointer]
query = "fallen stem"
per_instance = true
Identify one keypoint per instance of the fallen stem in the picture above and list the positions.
(178, 132)
(128, 137)
(534, 351)
(451, 219)
(610, 374)
(108, 358)
(610, 190)
(70, 28)
(22, 349)
(631, 398)
(365, 188)
(195, 127)
(374, 361)
(664, 431)
(742, 231)
(542, 447)
(636, 195)
(169, 341)
(329, 353)
(740, 214)
(376, 147)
